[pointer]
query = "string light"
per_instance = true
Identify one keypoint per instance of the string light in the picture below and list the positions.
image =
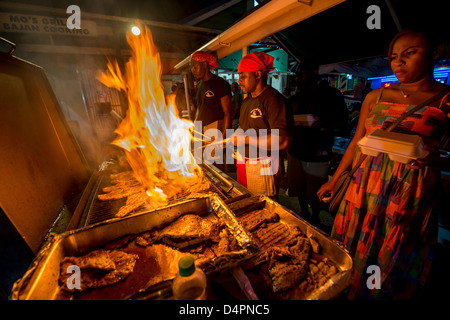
(136, 31)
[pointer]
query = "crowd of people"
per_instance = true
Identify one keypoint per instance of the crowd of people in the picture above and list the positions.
(386, 217)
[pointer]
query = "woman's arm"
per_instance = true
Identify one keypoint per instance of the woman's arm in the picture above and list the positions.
(433, 159)
(349, 154)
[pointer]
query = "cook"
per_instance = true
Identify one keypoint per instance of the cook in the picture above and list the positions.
(263, 127)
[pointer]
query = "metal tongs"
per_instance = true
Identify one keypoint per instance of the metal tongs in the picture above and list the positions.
(160, 290)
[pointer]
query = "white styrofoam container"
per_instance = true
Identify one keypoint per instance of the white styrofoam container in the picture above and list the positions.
(304, 120)
(400, 147)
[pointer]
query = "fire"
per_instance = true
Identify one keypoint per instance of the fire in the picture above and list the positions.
(156, 141)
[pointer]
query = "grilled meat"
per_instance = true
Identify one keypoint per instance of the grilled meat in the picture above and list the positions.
(319, 273)
(314, 244)
(288, 264)
(121, 185)
(134, 201)
(284, 265)
(199, 187)
(164, 263)
(286, 275)
(258, 218)
(98, 260)
(187, 230)
(99, 268)
(147, 238)
(122, 177)
(273, 234)
(300, 249)
(119, 192)
(226, 243)
(125, 185)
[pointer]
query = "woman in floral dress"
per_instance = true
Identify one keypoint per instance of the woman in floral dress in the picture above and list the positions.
(387, 218)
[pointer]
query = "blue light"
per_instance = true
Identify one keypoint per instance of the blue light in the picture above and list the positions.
(438, 73)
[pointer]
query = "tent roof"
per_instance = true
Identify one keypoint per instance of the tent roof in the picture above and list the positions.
(376, 67)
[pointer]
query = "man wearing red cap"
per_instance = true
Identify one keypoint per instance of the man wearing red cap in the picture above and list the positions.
(264, 123)
(213, 95)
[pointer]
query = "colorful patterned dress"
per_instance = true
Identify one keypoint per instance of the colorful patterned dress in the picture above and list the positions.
(386, 219)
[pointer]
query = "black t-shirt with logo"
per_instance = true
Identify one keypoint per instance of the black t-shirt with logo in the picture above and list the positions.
(208, 95)
(266, 111)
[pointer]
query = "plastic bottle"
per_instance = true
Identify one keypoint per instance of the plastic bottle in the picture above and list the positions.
(190, 282)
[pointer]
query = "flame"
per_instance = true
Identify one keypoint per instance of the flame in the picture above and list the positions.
(156, 141)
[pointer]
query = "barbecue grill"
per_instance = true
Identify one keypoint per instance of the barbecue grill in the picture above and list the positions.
(45, 176)
(91, 210)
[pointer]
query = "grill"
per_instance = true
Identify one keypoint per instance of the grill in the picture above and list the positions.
(44, 174)
(42, 168)
(94, 211)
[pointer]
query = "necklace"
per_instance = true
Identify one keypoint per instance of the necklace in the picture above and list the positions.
(403, 92)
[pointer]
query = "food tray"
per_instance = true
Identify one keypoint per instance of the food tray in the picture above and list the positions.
(400, 147)
(41, 280)
(331, 249)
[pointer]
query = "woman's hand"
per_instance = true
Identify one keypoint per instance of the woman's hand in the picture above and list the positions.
(326, 191)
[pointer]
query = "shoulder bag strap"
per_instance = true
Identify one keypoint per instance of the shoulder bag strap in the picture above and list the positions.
(416, 108)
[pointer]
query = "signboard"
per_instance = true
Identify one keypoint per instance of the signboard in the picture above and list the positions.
(13, 22)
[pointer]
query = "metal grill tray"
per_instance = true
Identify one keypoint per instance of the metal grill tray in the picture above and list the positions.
(41, 281)
(331, 249)
(94, 211)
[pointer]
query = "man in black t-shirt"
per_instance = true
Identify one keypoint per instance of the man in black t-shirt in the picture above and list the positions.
(236, 101)
(263, 127)
(213, 94)
(212, 98)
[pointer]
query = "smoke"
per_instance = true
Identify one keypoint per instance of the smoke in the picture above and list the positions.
(80, 97)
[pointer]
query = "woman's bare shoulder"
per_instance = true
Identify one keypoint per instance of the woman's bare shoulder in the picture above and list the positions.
(374, 94)
(372, 98)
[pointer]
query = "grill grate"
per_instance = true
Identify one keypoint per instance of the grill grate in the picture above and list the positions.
(100, 211)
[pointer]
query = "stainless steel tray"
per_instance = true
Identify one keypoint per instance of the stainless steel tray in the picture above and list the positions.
(331, 249)
(41, 280)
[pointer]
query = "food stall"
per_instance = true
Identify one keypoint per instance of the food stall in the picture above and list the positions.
(135, 215)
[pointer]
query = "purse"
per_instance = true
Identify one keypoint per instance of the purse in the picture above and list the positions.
(340, 189)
